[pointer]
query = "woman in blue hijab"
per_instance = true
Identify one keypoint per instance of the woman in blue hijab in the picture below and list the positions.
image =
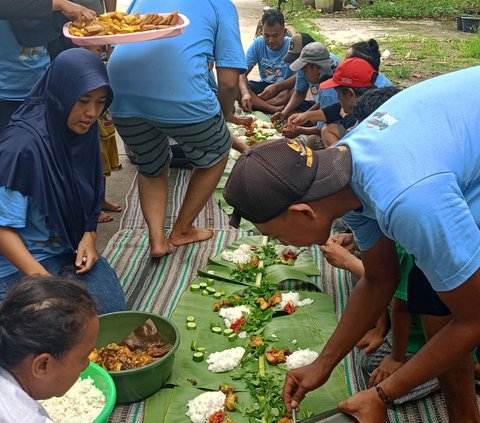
(51, 187)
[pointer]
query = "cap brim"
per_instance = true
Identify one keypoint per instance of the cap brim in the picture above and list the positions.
(297, 65)
(330, 83)
(291, 57)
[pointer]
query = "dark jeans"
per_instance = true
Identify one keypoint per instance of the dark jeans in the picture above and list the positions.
(7, 108)
(101, 281)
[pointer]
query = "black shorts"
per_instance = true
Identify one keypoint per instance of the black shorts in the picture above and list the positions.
(258, 86)
(422, 299)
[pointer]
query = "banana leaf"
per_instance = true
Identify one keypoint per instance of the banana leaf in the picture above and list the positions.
(303, 268)
(310, 327)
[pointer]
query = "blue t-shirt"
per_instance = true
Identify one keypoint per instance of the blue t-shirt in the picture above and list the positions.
(271, 66)
(20, 213)
(383, 81)
(416, 171)
(166, 80)
(20, 67)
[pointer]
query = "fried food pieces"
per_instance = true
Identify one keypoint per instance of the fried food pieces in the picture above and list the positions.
(114, 23)
(115, 357)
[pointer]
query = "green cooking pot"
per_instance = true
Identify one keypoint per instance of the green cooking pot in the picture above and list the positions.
(137, 384)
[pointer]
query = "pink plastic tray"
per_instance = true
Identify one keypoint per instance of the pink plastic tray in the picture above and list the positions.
(134, 37)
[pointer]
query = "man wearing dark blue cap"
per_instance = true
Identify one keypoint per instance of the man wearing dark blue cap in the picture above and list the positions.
(408, 173)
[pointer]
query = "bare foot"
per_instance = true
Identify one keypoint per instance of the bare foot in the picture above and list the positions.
(160, 249)
(365, 406)
(112, 207)
(194, 235)
(104, 217)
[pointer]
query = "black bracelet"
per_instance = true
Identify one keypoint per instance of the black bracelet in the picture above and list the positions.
(383, 396)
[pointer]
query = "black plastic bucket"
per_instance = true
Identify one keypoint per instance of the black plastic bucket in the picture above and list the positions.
(470, 23)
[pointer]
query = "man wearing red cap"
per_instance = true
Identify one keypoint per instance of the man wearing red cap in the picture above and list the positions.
(408, 173)
(352, 78)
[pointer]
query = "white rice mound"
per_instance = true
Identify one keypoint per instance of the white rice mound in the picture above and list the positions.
(232, 314)
(241, 255)
(204, 405)
(294, 299)
(301, 358)
(226, 360)
(82, 403)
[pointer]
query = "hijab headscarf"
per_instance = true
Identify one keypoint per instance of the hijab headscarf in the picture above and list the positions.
(43, 159)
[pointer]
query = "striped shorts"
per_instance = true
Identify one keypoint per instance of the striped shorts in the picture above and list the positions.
(204, 143)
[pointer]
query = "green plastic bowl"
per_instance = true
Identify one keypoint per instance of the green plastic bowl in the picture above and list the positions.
(103, 381)
(137, 384)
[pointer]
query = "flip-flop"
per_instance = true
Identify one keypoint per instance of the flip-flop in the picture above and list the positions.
(104, 218)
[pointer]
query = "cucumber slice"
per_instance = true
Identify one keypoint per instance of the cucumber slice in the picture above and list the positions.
(216, 329)
(201, 349)
(194, 345)
(198, 356)
(205, 292)
(233, 337)
(195, 287)
(210, 290)
(203, 285)
(210, 281)
(190, 318)
(228, 331)
(217, 295)
(191, 326)
(211, 272)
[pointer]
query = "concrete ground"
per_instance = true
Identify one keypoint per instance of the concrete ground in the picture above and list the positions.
(119, 183)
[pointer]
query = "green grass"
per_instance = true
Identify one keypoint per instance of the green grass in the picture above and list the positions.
(414, 56)
(416, 9)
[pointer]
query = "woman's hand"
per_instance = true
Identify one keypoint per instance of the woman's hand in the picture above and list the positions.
(86, 253)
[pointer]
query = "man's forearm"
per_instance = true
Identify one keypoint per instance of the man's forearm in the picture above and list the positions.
(228, 80)
(295, 101)
(286, 84)
(401, 326)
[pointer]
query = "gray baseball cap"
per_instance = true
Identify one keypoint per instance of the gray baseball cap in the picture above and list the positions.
(272, 175)
(315, 53)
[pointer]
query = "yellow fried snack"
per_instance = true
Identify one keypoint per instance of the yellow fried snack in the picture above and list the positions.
(113, 23)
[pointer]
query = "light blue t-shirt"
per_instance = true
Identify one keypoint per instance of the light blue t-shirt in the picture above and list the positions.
(416, 170)
(20, 213)
(271, 66)
(20, 68)
(166, 80)
(382, 81)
